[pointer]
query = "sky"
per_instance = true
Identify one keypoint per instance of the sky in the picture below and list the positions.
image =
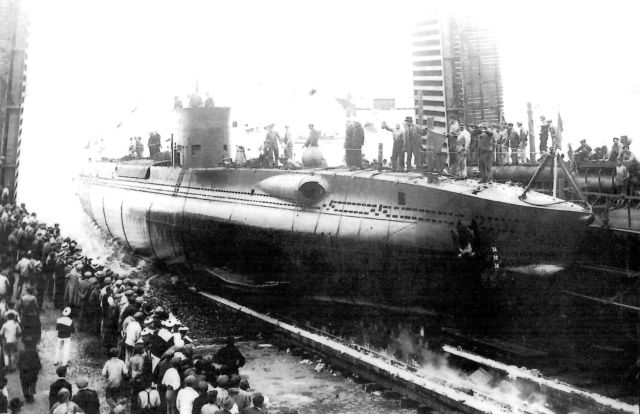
(94, 65)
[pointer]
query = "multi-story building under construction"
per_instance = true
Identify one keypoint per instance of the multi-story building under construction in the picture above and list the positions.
(13, 39)
(456, 71)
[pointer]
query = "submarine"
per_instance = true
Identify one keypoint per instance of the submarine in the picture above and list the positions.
(390, 237)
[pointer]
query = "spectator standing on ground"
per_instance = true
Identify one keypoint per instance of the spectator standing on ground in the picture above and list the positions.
(132, 334)
(149, 399)
(171, 382)
(65, 327)
(30, 315)
(5, 287)
(4, 395)
(211, 406)
(258, 406)
(202, 388)
(64, 405)
(15, 405)
(86, 398)
(29, 366)
(113, 371)
(186, 396)
(58, 384)
(229, 357)
(10, 332)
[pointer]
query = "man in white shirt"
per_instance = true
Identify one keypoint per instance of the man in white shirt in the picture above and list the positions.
(5, 286)
(113, 371)
(524, 139)
(184, 400)
(132, 334)
(149, 398)
(462, 148)
(171, 380)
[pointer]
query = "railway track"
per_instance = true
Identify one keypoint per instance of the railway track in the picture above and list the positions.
(488, 390)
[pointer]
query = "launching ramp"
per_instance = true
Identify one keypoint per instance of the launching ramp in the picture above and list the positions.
(443, 393)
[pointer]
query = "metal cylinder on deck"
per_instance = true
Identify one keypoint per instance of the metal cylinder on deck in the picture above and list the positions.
(595, 179)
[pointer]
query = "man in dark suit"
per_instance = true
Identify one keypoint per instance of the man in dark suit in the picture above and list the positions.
(86, 399)
(58, 384)
(258, 401)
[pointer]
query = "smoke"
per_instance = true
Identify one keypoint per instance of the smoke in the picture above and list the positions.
(405, 345)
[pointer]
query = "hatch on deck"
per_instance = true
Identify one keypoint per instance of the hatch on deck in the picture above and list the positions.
(135, 169)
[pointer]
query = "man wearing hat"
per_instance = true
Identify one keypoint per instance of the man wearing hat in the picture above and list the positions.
(258, 405)
(65, 327)
(59, 383)
(29, 367)
(462, 148)
(171, 383)
(271, 146)
(113, 370)
(72, 287)
(615, 149)
(513, 142)
(544, 136)
(582, 152)
(229, 357)
(523, 134)
(413, 140)
(64, 404)
(186, 396)
(86, 398)
(131, 335)
(15, 405)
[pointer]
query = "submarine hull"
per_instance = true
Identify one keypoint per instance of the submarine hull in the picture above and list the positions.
(399, 238)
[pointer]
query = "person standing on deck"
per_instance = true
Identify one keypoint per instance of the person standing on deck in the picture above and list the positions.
(485, 147)
(462, 148)
(314, 135)
(287, 143)
(397, 152)
(271, 146)
(523, 134)
(413, 140)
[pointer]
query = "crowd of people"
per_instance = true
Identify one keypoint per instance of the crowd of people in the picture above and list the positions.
(152, 367)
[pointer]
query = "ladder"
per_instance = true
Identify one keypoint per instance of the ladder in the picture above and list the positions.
(176, 188)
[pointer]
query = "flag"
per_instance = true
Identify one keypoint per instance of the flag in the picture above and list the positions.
(559, 129)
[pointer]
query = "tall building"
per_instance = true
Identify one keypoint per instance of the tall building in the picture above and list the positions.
(456, 71)
(13, 40)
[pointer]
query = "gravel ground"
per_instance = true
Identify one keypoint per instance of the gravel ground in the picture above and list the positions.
(86, 360)
(290, 382)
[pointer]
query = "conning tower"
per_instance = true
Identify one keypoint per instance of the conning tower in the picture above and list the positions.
(201, 137)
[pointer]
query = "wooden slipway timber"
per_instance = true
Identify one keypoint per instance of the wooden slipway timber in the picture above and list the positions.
(442, 389)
